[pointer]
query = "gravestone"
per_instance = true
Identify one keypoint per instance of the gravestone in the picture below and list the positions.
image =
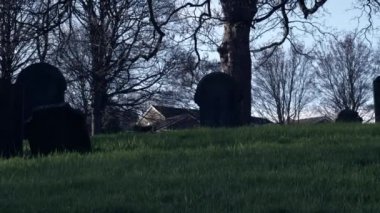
(218, 97)
(37, 85)
(7, 146)
(376, 98)
(57, 128)
(348, 115)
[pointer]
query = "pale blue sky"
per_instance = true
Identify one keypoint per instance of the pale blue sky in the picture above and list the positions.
(343, 16)
(335, 14)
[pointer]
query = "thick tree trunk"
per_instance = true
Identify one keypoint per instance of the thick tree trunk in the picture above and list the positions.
(99, 86)
(99, 77)
(235, 49)
(99, 104)
(99, 89)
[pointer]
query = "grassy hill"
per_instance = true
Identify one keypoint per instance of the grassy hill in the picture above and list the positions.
(324, 168)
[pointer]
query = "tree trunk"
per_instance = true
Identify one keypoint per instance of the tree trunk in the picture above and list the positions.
(99, 104)
(99, 85)
(99, 81)
(235, 50)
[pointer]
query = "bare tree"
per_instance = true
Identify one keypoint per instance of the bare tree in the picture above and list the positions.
(239, 18)
(14, 37)
(74, 57)
(369, 9)
(177, 88)
(112, 54)
(282, 84)
(345, 69)
(22, 22)
(47, 16)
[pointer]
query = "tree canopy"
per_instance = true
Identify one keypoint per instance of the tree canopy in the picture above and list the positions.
(123, 54)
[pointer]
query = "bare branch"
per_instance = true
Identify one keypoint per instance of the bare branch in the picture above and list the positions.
(285, 22)
(308, 11)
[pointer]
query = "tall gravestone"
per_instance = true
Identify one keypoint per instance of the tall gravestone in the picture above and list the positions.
(376, 98)
(7, 146)
(218, 97)
(37, 85)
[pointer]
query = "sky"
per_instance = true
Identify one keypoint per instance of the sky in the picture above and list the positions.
(341, 15)
(336, 15)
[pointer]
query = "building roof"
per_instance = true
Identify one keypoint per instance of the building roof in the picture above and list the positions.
(168, 112)
(163, 117)
(259, 121)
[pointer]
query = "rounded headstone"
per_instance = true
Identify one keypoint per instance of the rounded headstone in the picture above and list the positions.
(37, 85)
(218, 97)
(348, 115)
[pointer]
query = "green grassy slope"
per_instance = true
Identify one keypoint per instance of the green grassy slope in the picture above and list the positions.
(327, 168)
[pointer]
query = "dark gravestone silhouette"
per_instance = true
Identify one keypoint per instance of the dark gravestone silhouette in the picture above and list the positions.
(57, 128)
(348, 115)
(376, 98)
(37, 85)
(7, 145)
(218, 97)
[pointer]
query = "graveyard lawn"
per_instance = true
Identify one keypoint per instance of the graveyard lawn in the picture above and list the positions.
(316, 168)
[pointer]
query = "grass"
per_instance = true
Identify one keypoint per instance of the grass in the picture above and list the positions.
(323, 168)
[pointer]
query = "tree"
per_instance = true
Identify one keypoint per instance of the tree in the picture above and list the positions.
(22, 22)
(239, 18)
(15, 37)
(74, 58)
(345, 69)
(182, 75)
(282, 84)
(370, 8)
(47, 16)
(108, 45)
